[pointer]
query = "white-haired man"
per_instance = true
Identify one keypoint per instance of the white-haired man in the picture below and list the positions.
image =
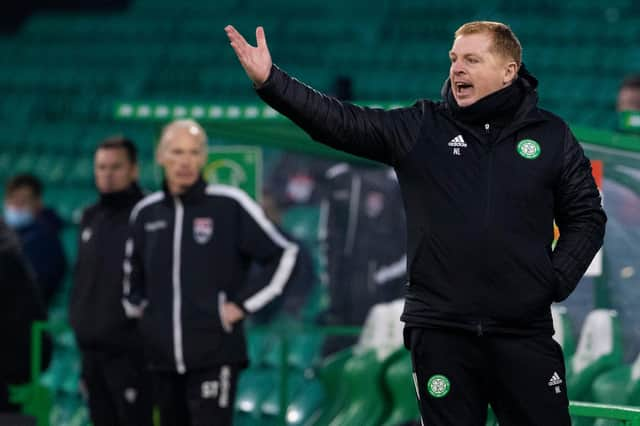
(185, 270)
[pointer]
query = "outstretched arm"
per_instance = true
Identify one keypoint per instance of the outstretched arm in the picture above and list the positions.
(384, 136)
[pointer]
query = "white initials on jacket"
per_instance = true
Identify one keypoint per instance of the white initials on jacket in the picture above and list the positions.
(457, 143)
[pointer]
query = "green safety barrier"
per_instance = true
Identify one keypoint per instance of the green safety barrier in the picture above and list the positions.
(36, 400)
(628, 416)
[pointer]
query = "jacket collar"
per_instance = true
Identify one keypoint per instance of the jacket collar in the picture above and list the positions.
(525, 113)
(122, 199)
(193, 194)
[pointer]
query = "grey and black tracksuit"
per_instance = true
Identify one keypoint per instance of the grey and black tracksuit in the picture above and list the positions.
(482, 187)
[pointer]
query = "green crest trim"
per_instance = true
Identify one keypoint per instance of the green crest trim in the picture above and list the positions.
(529, 149)
(438, 386)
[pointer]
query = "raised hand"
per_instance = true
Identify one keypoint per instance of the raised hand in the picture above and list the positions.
(256, 61)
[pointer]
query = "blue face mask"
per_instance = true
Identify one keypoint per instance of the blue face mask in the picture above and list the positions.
(17, 218)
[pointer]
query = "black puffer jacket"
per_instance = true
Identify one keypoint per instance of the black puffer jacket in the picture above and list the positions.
(480, 193)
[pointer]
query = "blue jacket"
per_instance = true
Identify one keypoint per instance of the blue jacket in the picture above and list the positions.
(43, 249)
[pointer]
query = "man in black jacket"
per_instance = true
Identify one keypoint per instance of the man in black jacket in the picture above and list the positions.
(186, 266)
(113, 372)
(483, 174)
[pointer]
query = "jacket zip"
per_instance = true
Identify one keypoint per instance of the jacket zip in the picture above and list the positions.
(177, 294)
(487, 131)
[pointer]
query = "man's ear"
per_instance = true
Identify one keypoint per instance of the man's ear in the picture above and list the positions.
(510, 73)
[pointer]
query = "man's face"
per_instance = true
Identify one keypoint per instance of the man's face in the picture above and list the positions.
(476, 71)
(23, 199)
(113, 170)
(182, 153)
(628, 99)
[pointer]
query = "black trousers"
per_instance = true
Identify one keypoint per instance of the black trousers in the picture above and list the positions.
(458, 374)
(197, 398)
(118, 389)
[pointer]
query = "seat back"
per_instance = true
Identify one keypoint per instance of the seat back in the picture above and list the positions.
(599, 350)
(563, 330)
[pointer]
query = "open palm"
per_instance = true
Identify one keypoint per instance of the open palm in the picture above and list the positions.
(256, 61)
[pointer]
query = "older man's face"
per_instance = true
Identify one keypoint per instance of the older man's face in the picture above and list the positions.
(476, 71)
(182, 153)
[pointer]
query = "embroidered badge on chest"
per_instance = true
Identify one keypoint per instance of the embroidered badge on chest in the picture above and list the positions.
(529, 149)
(202, 229)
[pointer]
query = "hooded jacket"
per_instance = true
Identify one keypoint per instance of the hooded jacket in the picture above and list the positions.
(480, 192)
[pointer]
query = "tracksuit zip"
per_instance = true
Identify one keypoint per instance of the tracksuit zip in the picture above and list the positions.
(178, 350)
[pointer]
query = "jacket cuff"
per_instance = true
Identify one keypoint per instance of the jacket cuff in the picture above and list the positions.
(269, 81)
(271, 84)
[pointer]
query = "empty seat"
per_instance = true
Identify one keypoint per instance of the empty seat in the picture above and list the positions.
(599, 350)
(563, 330)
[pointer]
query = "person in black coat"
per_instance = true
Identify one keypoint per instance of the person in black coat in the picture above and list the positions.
(484, 173)
(113, 365)
(20, 305)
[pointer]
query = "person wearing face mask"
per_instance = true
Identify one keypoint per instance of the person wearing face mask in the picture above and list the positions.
(483, 173)
(113, 368)
(38, 229)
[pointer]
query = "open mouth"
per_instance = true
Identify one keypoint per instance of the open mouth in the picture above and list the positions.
(463, 88)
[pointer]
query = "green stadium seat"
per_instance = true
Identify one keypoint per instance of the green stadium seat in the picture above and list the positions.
(599, 350)
(399, 384)
(353, 378)
(365, 403)
(563, 330)
(330, 374)
(307, 402)
(296, 383)
(620, 386)
(254, 386)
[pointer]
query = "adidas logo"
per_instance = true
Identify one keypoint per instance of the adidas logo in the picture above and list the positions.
(555, 380)
(458, 142)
